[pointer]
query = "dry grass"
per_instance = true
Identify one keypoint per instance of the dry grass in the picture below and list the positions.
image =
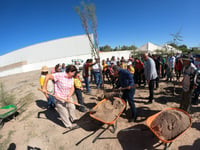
(5, 97)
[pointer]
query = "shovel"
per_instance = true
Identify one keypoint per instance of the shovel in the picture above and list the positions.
(125, 88)
(68, 101)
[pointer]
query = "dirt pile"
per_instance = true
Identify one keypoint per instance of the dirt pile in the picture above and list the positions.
(170, 123)
(108, 110)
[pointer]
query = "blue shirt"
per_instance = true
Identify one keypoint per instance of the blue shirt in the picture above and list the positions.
(125, 78)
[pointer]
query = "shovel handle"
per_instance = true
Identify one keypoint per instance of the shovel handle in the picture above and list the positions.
(125, 88)
(60, 98)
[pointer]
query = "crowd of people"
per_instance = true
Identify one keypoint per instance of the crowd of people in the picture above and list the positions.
(123, 74)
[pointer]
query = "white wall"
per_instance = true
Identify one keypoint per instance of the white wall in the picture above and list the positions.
(66, 60)
(59, 48)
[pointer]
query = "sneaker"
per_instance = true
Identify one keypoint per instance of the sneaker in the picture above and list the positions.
(82, 109)
(73, 127)
(73, 120)
(132, 119)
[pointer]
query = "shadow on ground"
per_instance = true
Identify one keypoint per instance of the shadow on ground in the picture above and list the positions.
(195, 146)
(49, 114)
(144, 112)
(137, 137)
(89, 124)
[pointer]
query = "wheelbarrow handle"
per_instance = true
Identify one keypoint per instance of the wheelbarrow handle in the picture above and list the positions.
(125, 88)
(66, 100)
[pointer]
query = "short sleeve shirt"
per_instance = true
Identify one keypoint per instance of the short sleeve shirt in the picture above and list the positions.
(63, 84)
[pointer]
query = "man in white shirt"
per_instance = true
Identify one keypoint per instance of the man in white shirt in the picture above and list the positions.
(97, 73)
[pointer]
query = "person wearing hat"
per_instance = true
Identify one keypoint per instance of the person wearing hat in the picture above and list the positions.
(50, 87)
(130, 68)
(189, 70)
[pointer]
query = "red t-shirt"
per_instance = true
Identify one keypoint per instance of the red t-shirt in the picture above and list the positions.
(86, 69)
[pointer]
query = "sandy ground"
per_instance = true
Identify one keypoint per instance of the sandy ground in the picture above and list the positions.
(47, 132)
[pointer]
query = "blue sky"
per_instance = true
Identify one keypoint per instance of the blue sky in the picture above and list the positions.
(119, 22)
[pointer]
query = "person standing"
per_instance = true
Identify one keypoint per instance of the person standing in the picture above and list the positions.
(150, 74)
(126, 82)
(85, 74)
(50, 87)
(178, 68)
(170, 70)
(139, 72)
(64, 88)
(62, 69)
(97, 73)
(78, 91)
(197, 88)
(197, 61)
(189, 71)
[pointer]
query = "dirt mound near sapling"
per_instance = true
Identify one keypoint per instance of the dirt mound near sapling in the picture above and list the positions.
(108, 110)
(170, 123)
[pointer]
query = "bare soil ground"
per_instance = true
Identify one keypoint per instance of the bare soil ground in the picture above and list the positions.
(38, 127)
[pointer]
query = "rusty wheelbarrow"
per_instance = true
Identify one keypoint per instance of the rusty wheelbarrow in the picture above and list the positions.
(167, 142)
(108, 112)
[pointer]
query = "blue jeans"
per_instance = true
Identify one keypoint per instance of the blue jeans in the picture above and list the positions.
(195, 96)
(51, 101)
(79, 96)
(98, 79)
(128, 95)
(151, 89)
(87, 84)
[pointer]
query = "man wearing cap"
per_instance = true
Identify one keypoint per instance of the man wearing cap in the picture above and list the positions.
(130, 68)
(126, 82)
(189, 70)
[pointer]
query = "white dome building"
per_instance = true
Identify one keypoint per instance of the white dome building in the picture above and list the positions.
(47, 53)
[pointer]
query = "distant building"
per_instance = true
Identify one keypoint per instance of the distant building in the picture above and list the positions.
(153, 49)
(64, 50)
(47, 53)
